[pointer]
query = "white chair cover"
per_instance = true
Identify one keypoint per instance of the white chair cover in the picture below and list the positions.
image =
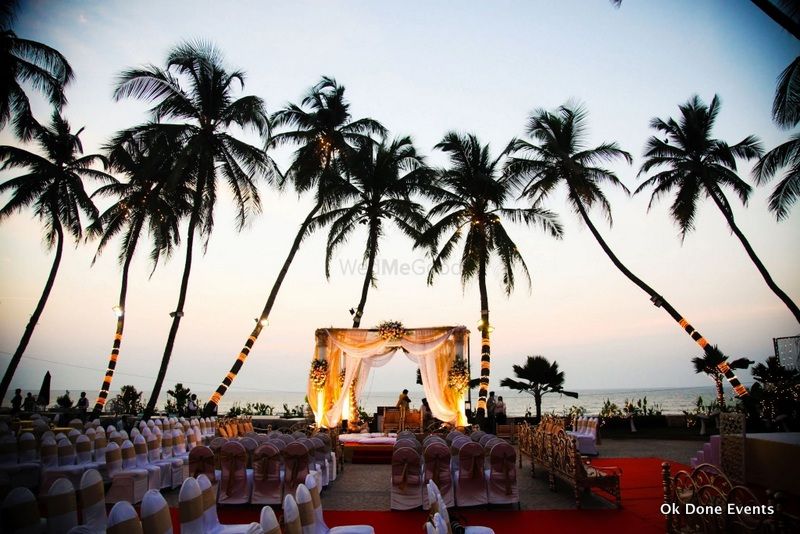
(155, 514)
(62, 510)
(143, 462)
(210, 518)
(269, 523)
(122, 519)
(291, 515)
(190, 505)
(126, 484)
(92, 499)
(406, 479)
(20, 513)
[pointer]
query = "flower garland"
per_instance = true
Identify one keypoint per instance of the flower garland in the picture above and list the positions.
(319, 373)
(458, 376)
(391, 330)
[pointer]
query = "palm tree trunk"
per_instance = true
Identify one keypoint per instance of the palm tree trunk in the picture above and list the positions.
(483, 392)
(661, 302)
(726, 212)
(372, 243)
(720, 391)
(777, 15)
(537, 399)
(177, 315)
(102, 397)
(213, 402)
(26, 336)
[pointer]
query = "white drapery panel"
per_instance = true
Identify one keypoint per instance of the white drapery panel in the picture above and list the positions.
(432, 349)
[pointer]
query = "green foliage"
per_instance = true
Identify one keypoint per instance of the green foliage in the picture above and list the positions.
(129, 401)
(574, 411)
(180, 397)
(251, 408)
(64, 402)
(610, 410)
(775, 393)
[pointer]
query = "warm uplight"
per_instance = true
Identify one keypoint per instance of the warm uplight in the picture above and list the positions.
(117, 310)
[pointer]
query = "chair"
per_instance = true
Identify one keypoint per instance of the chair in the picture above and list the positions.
(502, 475)
(267, 479)
(66, 465)
(126, 484)
(167, 455)
(269, 523)
(142, 462)
(249, 445)
(437, 469)
(62, 510)
(321, 527)
(73, 435)
(291, 515)
(20, 513)
(190, 507)
(406, 479)
(201, 462)
(83, 453)
(234, 484)
(211, 522)
(296, 466)
(123, 519)
(156, 518)
(321, 459)
(92, 499)
(27, 469)
(154, 455)
(470, 481)
(443, 521)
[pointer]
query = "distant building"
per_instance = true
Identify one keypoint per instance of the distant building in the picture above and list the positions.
(787, 349)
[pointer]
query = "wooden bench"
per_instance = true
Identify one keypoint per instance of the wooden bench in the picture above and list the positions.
(567, 464)
(707, 485)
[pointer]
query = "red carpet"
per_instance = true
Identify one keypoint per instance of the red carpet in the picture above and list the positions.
(642, 495)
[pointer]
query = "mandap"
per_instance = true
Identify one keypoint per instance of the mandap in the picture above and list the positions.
(344, 357)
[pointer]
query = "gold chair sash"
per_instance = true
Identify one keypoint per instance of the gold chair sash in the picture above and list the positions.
(307, 516)
(27, 445)
(21, 515)
(315, 497)
(61, 504)
(209, 498)
(92, 495)
(192, 509)
(129, 526)
(158, 522)
(83, 446)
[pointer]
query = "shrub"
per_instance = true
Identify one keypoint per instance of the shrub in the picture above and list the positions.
(129, 401)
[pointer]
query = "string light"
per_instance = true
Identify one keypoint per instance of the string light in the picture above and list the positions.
(118, 311)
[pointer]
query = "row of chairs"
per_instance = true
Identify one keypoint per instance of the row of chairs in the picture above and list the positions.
(585, 433)
(469, 473)
(439, 518)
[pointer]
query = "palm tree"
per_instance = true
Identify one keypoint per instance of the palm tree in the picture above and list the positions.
(786, 113)
(382, 178)
(31, 62)
(709, 363)
(541, 377)
(149, 201)
(695, 164)
(196, 93)
(53, 186)
(324, 131)
(473, 199)
(562, 157)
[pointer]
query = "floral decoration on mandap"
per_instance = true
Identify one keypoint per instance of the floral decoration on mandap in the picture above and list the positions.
(319, 373)
(458, 376)
(391, 330)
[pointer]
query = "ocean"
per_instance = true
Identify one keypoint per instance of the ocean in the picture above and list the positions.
(671, 400)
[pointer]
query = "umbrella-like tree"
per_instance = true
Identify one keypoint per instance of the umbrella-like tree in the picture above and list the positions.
(473, 202)
(708, 363)
(540, 378)
(560, 156)
(53, 186)
(694, 165)
(148, 201)
(31, 62)
(786, 113)
(382, 178)
(196, 94)
(322, 129)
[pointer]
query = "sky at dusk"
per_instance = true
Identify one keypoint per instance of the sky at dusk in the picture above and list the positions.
(422, 69)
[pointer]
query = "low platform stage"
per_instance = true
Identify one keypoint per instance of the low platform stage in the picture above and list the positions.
(361, 453)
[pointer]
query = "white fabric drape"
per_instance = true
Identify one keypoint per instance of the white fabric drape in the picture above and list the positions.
(432, 349)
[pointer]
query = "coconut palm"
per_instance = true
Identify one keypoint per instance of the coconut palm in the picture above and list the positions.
(53, 187)
(541, 377)
(786, 113)
(561, 156)
(474, 200)
(196, 94)
(322, 128)
(708, 363)
(31, 62)
(694, 165)
(147, 202)
(382, 178)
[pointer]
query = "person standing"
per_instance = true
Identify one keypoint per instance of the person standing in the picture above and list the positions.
(191, 406)
(16, 401)
(403, 404)
(29, 405)
(490, 403)
(83, 404)
(500, 411)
